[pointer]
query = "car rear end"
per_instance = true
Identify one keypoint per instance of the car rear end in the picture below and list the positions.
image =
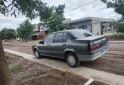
(97, 46)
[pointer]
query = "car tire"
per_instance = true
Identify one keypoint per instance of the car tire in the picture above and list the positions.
(72, 60)
(37, 54)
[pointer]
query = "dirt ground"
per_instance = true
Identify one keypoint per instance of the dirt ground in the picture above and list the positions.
(112, 61)
(25, 72)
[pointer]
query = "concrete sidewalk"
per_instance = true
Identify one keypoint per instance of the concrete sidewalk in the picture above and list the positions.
(116, 41)
(105, 77)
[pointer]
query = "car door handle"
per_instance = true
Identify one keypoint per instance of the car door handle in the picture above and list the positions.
(64, 44)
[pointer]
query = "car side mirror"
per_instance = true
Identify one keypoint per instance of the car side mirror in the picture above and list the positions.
(41, 42)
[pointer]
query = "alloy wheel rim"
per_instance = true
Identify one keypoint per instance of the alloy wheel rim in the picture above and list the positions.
(71, 60)
(36, 54)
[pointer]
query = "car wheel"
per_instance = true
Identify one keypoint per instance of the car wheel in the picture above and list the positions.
(37, 55)
(72, 60)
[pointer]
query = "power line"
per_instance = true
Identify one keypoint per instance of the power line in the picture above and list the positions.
(81, 6)
(98, 9)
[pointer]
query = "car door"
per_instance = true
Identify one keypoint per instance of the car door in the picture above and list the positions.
(45, 47)
(59, 44)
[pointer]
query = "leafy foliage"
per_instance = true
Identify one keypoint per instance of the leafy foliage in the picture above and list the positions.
(51, 17)
(8, 33)
(29, 8)
(54, 18)
(118, 5)
(118, 25)
(25, 29)
(116, 36)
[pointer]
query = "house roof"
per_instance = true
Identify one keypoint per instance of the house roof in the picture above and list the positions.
(92, 18)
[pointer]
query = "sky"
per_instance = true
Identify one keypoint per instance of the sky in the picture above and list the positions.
(95, 9)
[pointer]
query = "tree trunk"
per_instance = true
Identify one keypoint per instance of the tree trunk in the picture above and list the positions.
(5, 78)
(25, 38)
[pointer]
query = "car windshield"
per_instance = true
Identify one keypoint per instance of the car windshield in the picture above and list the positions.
(80, 33)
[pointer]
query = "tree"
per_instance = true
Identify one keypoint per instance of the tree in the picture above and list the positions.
(118, 25)
(118, 6)
(25, 29)
(5, 78)
(2, 33)
(8, 33)
(28, 8)
(54, 18)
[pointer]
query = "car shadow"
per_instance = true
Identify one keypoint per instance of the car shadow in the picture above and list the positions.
(53, 58)
(94, 63)
(83, 63)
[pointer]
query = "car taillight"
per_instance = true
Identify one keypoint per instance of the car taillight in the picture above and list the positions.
(94, 47)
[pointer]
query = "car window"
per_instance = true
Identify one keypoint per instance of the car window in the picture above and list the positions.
(77, 34)
(64, 38)
(58, 38)
(49, 38)
(80, 33)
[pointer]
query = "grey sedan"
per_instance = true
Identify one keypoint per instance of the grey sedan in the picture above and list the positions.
(72, 45)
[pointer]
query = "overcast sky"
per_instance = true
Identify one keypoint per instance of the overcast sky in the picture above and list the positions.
(96, 9)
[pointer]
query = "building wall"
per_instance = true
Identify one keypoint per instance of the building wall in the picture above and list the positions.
(36, 27)
(66, 20)
(88, 23)
(96, 27)
(94, 24)
(42, 27)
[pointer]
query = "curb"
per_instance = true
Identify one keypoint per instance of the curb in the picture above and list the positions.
(116, 41)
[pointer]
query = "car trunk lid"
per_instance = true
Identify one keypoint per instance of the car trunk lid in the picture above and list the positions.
(95, 41)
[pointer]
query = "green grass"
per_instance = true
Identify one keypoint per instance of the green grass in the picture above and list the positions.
(116, 36)
(9, 63)
(15, 68)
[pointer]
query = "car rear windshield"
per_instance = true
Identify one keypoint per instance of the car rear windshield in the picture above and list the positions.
(80, 33)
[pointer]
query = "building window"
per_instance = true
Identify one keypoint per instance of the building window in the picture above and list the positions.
(79, 27)
(84, 26)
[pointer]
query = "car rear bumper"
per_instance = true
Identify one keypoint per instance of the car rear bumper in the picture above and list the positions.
(92, 56)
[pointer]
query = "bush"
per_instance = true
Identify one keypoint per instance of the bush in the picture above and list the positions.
(8, 34)
(116, 36)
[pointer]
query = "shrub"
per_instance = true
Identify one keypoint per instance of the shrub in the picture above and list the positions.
(116, 36)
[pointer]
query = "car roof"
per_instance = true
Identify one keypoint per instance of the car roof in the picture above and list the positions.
(71, 30)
